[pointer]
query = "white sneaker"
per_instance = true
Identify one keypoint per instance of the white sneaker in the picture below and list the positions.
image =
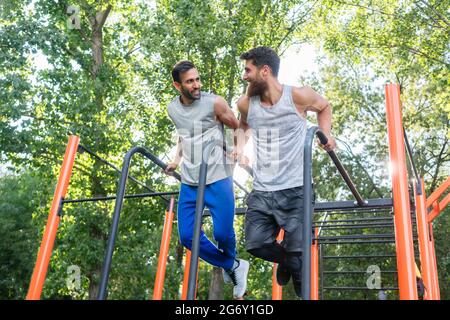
(239, 278)
(226, 277)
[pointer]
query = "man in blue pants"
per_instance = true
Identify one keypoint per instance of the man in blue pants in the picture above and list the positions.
(199, 117)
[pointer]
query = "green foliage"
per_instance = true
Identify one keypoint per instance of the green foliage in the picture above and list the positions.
(21, 197)
(110, 84)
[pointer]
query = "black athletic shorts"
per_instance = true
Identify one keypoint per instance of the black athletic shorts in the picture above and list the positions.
(267, 211)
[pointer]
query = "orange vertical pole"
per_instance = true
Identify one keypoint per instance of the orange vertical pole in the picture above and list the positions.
(163, 253)
(426, 256)
(435, 279)
(315, 267)
(402, 213)
(277, 290)
(48, 240)
(187, 265)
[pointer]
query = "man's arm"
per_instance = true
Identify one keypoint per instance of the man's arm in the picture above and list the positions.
(243, 132)
(224, 114)
(306, 99)
(172, 166)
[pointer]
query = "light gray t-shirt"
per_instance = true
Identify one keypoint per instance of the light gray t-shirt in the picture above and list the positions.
(196, 124)
(279, 134)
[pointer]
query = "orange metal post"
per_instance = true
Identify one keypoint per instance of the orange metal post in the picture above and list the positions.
(435, 288)
(438, 207)
(48, 240)
(163, 253)
(425, 244)
(277, 290)
(402, 213)
(438, 192)
(315, 268)
(187, 264)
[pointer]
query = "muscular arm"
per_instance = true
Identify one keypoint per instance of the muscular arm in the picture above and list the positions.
(243, 132)
(306, 99)
(224, 114)
(172, 166)
(179, 152)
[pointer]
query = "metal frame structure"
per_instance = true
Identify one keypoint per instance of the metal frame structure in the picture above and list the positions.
(426, 210)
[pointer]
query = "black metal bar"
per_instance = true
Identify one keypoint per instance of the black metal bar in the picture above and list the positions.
(348, 205)
(240, 211)
(116, 215)
(359, 236)
(195, 249)
(128, 196)
(360, 288)
(321, 268)
(307, 204)
(412, 163)
(357, 272)
(307, 213)
(356, 242)
(363, 226)
(93, 154)
(323, 139)
(336, 222)
(361, 257)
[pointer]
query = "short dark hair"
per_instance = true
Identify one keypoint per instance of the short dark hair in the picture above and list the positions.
(180, 67)
(261, 56)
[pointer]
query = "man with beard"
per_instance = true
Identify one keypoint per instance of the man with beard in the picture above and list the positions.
(275, 115)
(199, 117)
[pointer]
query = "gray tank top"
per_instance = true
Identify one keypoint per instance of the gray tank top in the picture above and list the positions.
(278, 135)
(196, 124)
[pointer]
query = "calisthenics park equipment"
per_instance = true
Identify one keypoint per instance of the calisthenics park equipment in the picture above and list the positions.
(407, 217)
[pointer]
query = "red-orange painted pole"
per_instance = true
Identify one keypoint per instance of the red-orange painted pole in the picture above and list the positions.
(438, 192)
(435, 288)
(277, 290)
(163, 253)
(187, 265)
(426, 256)
(48, 240)
(438, 207)
(402, 214)
(315, 267)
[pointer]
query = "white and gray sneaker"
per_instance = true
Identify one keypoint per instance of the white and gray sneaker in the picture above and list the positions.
(238, 277)
(226, 277)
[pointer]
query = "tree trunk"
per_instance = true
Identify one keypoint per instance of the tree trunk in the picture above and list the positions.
(97, 188)
(216, 285)
(94, 282)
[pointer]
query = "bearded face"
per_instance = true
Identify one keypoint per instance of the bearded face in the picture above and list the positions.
(256, 87)
(191, 93)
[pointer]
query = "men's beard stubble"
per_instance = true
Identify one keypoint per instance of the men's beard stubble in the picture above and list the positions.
(189, 95)
(256, 88)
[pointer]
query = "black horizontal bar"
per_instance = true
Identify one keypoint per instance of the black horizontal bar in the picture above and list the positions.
(237, 211)
(82, 149)
(360, 288)
(360, 256)
(341, 205)
(357, 220)
(357, 272)
(129, 196)
(354, 226)
(356, 242)
(358, 236)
